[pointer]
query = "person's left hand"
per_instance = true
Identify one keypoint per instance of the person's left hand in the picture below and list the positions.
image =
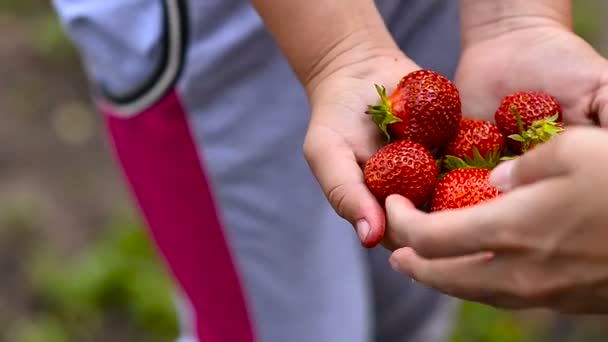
(541, 56)
(542, 243)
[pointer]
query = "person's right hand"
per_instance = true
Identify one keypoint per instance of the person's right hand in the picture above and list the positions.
(341, 137)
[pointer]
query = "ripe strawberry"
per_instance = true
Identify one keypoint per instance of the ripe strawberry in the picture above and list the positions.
(540, 119)
(462, 188)
(425, 107)
(402, 167)
(478, 143)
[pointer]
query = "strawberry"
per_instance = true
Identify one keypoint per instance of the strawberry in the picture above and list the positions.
(528, 118)
(402, 167)
(425, 107)
(462, 188)
(478, 143)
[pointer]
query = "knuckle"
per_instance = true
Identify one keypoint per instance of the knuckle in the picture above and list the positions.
(308, 148)
(530, 292)
(423, 242)
(315, 143)
(525, 290)
(336, 196)
(506, 239)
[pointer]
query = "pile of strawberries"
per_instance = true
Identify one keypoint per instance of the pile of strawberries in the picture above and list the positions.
(439, 159)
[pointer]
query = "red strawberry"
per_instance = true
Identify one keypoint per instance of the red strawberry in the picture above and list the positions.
(425, 107)
(402, 167)
(477, 143)
(462, 188)
(540, 115)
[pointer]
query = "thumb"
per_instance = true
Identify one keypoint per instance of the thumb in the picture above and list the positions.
(335, 166)
(544, 161)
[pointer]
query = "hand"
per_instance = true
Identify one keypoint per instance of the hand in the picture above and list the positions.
(540, 244)
(547, 57)
(341, 137)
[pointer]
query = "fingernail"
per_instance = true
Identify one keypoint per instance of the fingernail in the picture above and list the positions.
(488, 256)
(363, 229)
(392, 200)
(501, 176)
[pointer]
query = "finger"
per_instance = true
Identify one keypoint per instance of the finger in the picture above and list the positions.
(468, 277)
(444, 233)
(407, 211)
(551, 159)
(482, 277)
(500, 224)
(341, 178)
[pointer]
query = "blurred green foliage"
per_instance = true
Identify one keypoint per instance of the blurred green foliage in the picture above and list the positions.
(50, 42)
(118, 280)
(586, 19)
(115, 281)
(481, 323)
(23, 7)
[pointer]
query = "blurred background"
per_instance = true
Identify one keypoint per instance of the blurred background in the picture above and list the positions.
(75, 262)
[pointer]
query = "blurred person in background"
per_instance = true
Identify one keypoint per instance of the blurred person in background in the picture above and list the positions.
(207, 118)
(208, 105)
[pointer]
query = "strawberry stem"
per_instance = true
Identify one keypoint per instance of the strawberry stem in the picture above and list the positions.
(520, 123)
(541, 130)
(489, 161)
(522, 129)
(382, 114)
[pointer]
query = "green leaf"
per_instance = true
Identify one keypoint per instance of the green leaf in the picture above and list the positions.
(540, 131)
(517, 137)
(452, 163)
(553, 118)
(490, 160)
(476, 155)
(382, 113)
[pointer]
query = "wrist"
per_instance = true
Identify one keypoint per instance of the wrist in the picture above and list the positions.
(357, 54)
(319, 37)
(482, 20)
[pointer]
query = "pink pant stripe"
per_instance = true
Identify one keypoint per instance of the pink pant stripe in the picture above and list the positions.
(161, 163)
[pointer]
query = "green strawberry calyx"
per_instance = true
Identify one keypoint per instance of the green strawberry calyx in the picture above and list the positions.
(382, 113)
(489, 161)
(539, 132)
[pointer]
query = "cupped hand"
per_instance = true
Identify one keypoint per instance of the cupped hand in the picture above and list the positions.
(540, 244)
(548, 57)
(341, 137)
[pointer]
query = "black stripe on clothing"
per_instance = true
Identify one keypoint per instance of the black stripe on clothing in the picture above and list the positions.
(174, 45)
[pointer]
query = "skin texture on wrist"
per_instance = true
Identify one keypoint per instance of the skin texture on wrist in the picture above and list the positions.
(319, 37)
(482, 20)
